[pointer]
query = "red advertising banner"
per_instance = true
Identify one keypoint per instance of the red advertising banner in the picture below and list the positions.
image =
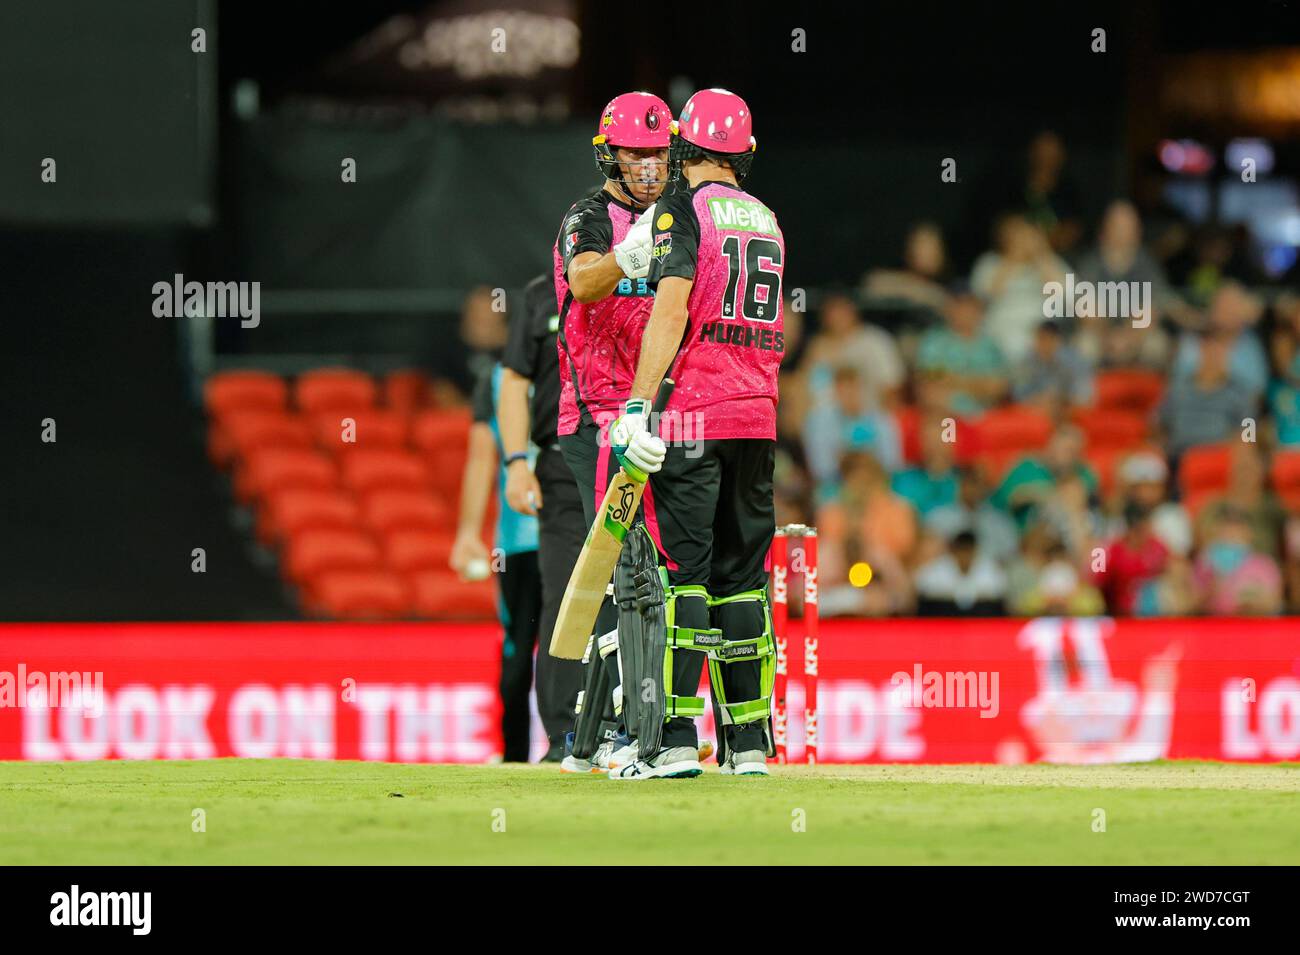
(939, 691)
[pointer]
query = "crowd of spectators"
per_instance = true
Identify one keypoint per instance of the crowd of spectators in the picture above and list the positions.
(984, 452)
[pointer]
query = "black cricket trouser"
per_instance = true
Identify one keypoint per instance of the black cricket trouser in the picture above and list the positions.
(521, 608)
(562, 528)
(711, 512)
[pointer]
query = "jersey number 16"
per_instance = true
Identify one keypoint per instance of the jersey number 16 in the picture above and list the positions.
(762, 292)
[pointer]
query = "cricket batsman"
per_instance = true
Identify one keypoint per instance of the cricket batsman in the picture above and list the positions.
(718, 258)
(601, 261)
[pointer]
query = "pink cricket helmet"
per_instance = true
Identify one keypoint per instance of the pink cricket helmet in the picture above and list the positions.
(633, 121)
(715, 121)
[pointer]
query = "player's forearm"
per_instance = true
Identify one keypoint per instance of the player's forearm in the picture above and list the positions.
(593, 276)
(512, 412)
(477, 481)
(662, 337)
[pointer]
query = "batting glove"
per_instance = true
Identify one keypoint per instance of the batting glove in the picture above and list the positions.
(638, 451)
(633, 253)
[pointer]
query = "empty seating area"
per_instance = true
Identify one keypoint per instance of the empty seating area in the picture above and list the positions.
(353, 484)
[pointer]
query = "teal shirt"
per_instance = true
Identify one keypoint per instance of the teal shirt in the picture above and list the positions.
(943, 350)
(515, 533)
(924, 490)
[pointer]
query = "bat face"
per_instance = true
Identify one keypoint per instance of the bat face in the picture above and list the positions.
(595, 567)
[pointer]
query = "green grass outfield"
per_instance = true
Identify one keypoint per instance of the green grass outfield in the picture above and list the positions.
(288, 811)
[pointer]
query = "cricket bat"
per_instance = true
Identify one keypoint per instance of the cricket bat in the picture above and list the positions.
(595, 566)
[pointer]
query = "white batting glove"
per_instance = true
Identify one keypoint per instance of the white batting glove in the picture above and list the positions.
(633, 253)
(638, 451)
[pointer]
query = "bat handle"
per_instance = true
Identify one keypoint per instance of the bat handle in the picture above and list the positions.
(664, 395)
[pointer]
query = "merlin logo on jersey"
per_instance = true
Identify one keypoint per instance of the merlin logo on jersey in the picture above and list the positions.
(742, 215)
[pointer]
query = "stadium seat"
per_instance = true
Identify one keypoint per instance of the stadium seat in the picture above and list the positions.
(242, 390)
(1285, 473)
(908, 420)
(1105, 464)
(443, 595)
(290, 512)
(331, 389)
(366, 470)
(235, 435)
(996, 464)
(1111, 427)
(408, 551)
(311, 553)
(1013, 428)
(1205, 467)
(389, 509)
(282, 469)
(406, 391)
(370, 428)
(1138, 391)
(435, 430)
(358, 595)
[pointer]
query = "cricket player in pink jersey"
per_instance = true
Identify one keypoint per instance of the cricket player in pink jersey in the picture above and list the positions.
(718, 258)
(601, 261)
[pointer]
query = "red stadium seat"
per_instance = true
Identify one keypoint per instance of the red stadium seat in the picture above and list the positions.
(282, 469)
(358, 595)
(1138, 391)
(443, 595)
(390, 509)
(1205, 467)
(236, 435)
(1105, 464)
(997, 464)
(332, 389)
(437, 430)
(290, 512)
(368, 428)
(366, 470)
(242, 390)
(908, 420)
(1013, 428)
(1111, 427)
(311, 553)
(408, 551)
(406, 391)
(1285, 473)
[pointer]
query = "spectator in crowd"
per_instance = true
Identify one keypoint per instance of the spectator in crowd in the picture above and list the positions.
(1050, 199)
(1053, 375)
(934, 482)
(1120, 257)
(1059, 591)
(1132, 560)
(845, 341)
(1209, 406)
(961, 581)
(1032, 482)
(1143, 478)
(866, 522)
(972, 511)
(844, 424)
(1070, 513)
(1171, 594)
(1232, 575)
(922, 280)
(1284, 386)
(1247, 494)
(962, 371)
(1010, 280)
(1232, 312)
(1035, 545)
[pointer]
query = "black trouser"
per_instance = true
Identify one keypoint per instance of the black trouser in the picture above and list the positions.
(710, 510)
(521, 606)
(562, 527)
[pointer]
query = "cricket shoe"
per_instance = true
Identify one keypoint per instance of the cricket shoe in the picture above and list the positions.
(630, 753)
(677, 762)
(600, 759)
(751, 762)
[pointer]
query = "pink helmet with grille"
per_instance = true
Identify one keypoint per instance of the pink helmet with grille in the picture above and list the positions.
(633, 121)
(715, 121)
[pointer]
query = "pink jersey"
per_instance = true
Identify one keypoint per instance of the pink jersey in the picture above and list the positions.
(599, 343)
(730, 245)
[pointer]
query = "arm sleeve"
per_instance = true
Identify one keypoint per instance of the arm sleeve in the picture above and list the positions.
(523, 346)
(676, 240)
(587, 228)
